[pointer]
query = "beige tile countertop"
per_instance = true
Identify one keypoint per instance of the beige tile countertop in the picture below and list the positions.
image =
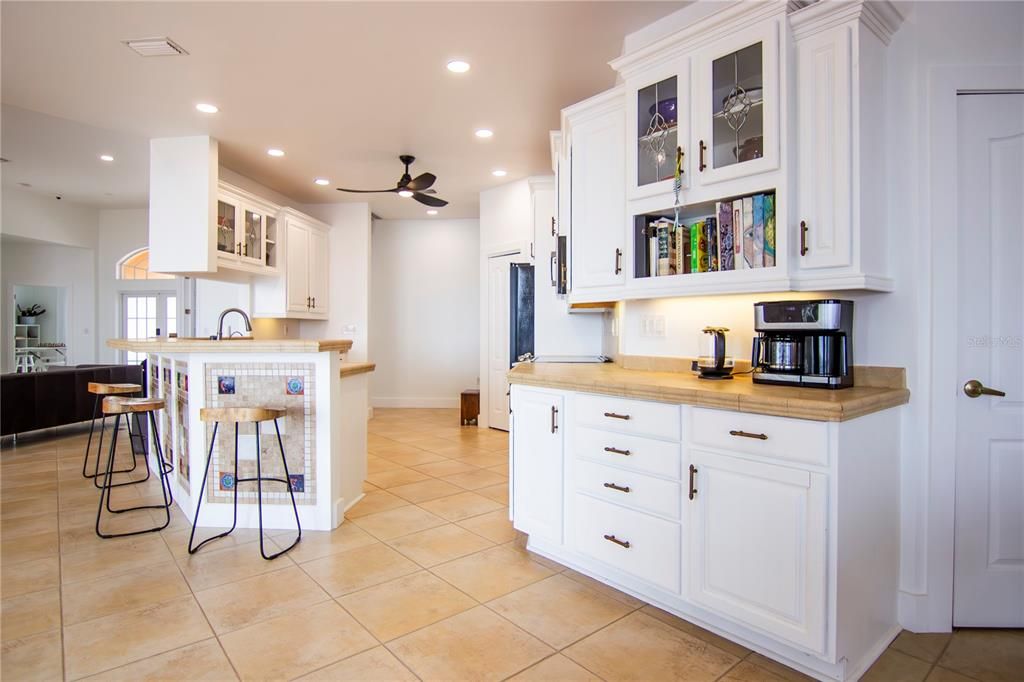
(235, 345)
(886, 389)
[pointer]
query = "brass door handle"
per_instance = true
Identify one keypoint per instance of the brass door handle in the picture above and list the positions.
(618, 261)
(615, 415)
(693, 487)
(620, 488)
(747, 434)
(620, 543)
(976, 389)
(803, 238)
(617, 451)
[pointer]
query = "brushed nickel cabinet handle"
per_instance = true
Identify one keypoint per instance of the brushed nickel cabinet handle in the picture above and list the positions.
(693, 486)
(617, 451)
(747, 434)
(803, 238)
(554, 419)
(620, 488)
(618, 261)
(620, 543)
(615, 415)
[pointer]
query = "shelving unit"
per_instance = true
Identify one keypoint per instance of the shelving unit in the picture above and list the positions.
(32, 354)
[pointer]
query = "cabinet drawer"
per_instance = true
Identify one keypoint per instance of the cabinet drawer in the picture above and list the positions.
(795, 440)
(629, 416)
(652, 553)
(630, 452)
(628, 488)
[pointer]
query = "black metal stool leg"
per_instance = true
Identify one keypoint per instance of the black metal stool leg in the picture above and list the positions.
(165, 468)
(88, 443)
(259, 498)
(96, 473)
(202, 491)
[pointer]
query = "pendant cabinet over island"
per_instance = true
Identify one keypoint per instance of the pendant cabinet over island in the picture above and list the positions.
(773, 113)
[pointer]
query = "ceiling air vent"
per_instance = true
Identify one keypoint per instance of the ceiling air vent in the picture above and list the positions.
(156, 47)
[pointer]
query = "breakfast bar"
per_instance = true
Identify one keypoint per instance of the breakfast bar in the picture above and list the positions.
(323, 429)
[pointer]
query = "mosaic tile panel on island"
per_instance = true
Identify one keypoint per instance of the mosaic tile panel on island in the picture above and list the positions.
(281, 385)
(181, 416)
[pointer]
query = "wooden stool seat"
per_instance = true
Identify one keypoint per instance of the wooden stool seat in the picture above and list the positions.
(117, 405)
(113, 389)
(240, 414)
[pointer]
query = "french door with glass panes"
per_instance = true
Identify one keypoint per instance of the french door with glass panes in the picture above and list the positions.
(145, 315)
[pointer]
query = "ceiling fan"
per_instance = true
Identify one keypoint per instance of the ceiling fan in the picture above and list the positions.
(418, 188)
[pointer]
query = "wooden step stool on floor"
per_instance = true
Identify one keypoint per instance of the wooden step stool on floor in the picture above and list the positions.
(470, 406)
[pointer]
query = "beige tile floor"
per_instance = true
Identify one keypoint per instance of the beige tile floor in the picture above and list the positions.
(425, 580)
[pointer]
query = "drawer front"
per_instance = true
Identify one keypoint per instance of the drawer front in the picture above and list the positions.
(652, 553)
(795, 440)
(628, 488)
(639, 417)
(631, 452)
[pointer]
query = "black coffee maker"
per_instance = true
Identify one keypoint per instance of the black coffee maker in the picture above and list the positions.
(804, 343)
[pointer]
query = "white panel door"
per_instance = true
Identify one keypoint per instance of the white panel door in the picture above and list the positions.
(298, 268)
(988, 583)
(318, 272)
(758, 546)
(537, 463)
(499, 343)
(599, 200)
(824, 173)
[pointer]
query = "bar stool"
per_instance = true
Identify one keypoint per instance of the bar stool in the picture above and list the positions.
(100, 390)
(118, 406)
(238, 415)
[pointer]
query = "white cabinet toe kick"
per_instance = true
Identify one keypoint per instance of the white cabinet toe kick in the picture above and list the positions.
(780, 534)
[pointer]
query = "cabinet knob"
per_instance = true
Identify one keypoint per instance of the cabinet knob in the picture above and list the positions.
(620, 543)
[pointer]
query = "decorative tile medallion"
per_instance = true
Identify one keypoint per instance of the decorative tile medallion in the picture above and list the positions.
(227, 481)
(226, 385)
(294, 386)
(298, 482)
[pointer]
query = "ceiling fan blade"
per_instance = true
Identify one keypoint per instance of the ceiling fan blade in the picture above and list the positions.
(429, 200)
(367, 191)
(421, 182)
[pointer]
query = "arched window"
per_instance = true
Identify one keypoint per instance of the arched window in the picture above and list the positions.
(136, 266)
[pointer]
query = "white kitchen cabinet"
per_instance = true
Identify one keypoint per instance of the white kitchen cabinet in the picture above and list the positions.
(842, 230)
(538, 420)
(598, 206)
(245, 231)
(757, 546)
(658, 112)
(301, 290)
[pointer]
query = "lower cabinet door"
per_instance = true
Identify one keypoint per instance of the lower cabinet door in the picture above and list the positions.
(537, 463)
(758, 546)
(639, 544)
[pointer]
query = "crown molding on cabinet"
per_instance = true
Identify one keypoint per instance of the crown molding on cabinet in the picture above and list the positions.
(880, 17)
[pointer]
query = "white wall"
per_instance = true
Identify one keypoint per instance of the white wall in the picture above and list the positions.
(425, 314)
(349, 273)
(44, 218)
(31, 263)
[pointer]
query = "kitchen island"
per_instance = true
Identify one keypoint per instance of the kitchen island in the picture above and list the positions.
(324, 429)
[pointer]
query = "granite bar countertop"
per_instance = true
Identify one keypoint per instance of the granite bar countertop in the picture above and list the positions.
(234, 345)
(740, 394)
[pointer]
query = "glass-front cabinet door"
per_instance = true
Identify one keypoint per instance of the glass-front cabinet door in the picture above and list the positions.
(227, 243)
(738, 106)
(658, 128)
(252, 236)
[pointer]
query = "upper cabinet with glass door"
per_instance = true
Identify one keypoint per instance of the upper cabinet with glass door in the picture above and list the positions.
(245, 231)
(737, 105)
(658, 128)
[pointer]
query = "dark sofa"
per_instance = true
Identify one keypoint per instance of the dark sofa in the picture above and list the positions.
(59, 396)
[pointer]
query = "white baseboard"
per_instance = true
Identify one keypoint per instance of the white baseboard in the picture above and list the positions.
(414, 402)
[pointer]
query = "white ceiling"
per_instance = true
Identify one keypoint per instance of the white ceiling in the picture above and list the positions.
(343, 88)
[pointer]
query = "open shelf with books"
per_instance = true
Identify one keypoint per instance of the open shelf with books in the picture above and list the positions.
(725, 245)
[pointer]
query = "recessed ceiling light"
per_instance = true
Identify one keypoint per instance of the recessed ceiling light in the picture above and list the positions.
(207, 108)
(322, 181)
(432, 211)
(404, 193)
(106, 157)
(458, 66)
(275, 152)
(499, 173)
(484, 133)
